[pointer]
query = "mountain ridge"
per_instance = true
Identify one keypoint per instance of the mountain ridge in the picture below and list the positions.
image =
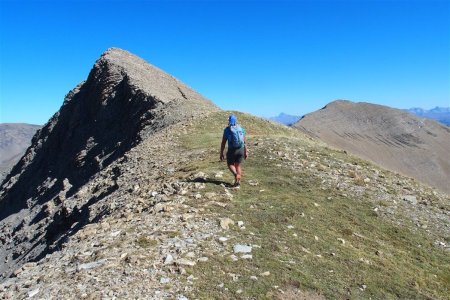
(390, 137)
(123, 101)
(174, 224)
(152, 214)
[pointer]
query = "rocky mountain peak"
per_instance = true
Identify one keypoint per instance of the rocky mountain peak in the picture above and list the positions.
(123, 101)
(116, 64)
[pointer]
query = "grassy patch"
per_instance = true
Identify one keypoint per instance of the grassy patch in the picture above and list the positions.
(145, 242)
(308, 236)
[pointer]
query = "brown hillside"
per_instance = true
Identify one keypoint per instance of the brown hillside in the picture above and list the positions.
(394, 139)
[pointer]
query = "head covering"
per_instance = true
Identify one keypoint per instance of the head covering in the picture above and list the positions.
(232, 120)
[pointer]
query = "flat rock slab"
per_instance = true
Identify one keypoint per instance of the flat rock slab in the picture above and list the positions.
(242, 249)
(410, 199)
(92, 265)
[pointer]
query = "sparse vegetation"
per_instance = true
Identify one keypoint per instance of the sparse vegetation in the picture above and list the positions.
(145, 242)
(324, 240)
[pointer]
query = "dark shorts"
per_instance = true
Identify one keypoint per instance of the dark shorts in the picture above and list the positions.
(235, 156)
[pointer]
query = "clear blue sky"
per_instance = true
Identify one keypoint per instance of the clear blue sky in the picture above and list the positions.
(261, 57)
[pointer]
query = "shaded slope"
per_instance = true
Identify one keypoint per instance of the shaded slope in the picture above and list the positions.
(15, 138)
(123, 101)
(390, 137)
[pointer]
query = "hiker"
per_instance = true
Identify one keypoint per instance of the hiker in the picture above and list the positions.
(237, 149)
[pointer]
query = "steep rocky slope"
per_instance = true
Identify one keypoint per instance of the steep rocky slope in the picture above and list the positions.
(123, 101)
(389, 137)
(15, 138)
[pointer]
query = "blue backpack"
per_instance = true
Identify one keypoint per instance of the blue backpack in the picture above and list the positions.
(236, 137)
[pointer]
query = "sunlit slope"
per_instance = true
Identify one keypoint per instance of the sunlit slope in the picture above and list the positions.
(321, 223)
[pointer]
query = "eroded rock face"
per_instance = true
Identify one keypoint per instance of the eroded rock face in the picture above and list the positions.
(123, 101)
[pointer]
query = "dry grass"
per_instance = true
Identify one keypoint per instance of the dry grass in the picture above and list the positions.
(334, 247)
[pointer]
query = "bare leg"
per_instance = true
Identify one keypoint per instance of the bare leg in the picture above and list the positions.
(238, 169)
(233, 169)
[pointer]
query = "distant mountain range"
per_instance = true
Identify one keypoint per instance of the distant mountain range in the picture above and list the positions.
(286, 119)
(440, 114)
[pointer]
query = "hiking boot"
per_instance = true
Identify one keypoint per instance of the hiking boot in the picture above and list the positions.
(237, 184)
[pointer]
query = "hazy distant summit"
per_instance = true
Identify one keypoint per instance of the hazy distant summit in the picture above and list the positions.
(286, 119)
(440, 114)
(390, 137)
(15, 138)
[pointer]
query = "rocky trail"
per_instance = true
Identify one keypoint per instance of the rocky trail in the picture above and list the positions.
(166, 220)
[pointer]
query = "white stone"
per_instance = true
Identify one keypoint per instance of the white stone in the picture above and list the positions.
(223, 239)
(92, 265)
(115, 233)
(33, 293)
(242, 248)
(168, 260)
(164, 280)
(410, 199)
(234, 257)
(185, 262)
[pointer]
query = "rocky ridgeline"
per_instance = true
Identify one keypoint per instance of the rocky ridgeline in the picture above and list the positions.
(128, 216)
(155, 226)
(49, 195)
(147, 233)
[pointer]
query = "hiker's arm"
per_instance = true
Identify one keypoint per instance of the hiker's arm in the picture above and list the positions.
(245, 148)
(222, 147)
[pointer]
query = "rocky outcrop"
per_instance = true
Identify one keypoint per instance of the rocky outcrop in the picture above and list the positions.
(392, 138)
(123, 101)
(15, 138)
